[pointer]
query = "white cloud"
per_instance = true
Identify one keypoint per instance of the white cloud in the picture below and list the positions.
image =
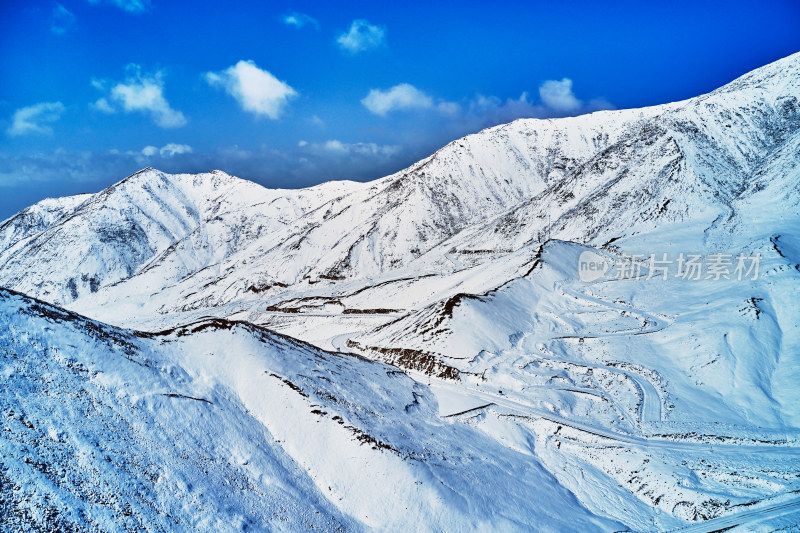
(558, 96)
(298, 20)
(256, 90)
(598, 104)
(102, 105)
(493, 110)
(172, 149)
(143, 94)
(131, 6)
(448, 108)
(61, 20)
(361, 36)
(148, 96)
(168, 150)
(299, 166)
(556, 100)
(35, 119)
(339, 148)
(400, 97)
(335, 146)
(442, 120)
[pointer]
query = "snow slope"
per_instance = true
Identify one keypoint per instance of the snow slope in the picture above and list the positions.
(224, 426)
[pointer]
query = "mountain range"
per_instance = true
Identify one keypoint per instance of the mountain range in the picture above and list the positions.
(422, 352)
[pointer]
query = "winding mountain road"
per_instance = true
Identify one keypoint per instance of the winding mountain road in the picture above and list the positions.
(514, 406)
(743, 518)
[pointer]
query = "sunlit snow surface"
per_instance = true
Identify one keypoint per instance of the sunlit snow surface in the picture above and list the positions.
(453, 372)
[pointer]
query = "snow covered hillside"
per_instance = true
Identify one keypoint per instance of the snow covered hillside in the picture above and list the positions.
(423, 351)
(225, 426)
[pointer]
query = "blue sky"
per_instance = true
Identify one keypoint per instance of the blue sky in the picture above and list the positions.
(291, 94)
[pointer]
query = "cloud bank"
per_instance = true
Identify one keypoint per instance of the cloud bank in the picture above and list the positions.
(307, 164)
(556, 100)
(339, 148)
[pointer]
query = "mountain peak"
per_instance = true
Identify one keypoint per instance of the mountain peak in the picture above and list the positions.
(781, 77)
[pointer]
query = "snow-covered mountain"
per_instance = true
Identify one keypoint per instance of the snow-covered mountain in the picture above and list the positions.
(631, 401)
(176, 223)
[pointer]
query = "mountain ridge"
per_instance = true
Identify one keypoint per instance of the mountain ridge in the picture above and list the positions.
(394, 191)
